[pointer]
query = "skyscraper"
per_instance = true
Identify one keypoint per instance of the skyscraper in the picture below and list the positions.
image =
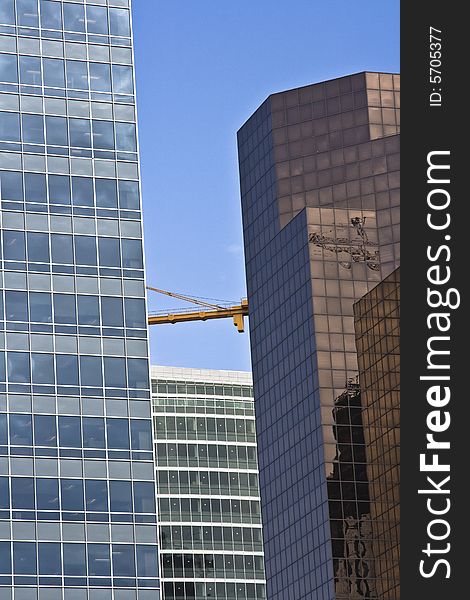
(319, 171)
(77, 477)
(208, 492)
(377, 324)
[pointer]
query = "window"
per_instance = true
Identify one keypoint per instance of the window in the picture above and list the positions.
(42, 366)
(100, 77)
(147, 563)
(74, 559)
(38, 247)
(11, 185)
(131, 254)
(91, 371)
(93, 432)
(47, 494)
(7, 14)
(109, 251)
(117, 432)
(106, 193)
(35, 187)
(120, 493)
(71, 491)
(85, 250)
(49, 558)
(88, 310)
(135, 312)
(119, 22)
(56, 134)
(27, 13)
(59, 189)
(123, 560)
(82, 191)
(74, 17)
(8, 68)
(80, 133)
(18, 367)
(67, 369)
(99, 561)
(30, 70)
(3, 431)
(21, 430)
(144, 497)
(16, 306)
(115, 372)
(40, 307)
(64, 309)
(111, 312)
(77, 74)
(24, 558)
(141, 434)
(53, 71)
(9, 127)
(62, 249)
(70, 432)
(97, 20)
(5, 548)
(129, 194)
(125, 137)
(96, 493)
(103, 135)
(51, 15)
(137, 373)
(22, 493)
(33, 129)
(123, 80)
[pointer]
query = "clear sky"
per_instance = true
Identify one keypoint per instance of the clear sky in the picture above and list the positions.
(203, 67)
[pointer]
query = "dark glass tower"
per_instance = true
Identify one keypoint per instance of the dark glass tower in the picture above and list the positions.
(77, 478)
(319, 171)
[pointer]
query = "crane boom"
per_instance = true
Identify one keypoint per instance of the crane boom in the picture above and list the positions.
(237, 312)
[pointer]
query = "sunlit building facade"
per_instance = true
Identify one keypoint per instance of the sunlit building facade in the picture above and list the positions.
(77, 477)
(207, 482)
(319, 174)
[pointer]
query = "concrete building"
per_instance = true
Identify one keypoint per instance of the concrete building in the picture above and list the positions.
(208, 492)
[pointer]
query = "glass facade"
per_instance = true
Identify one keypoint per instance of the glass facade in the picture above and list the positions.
(208, 491)
(377, 324)
(77, 477)
(319, 173)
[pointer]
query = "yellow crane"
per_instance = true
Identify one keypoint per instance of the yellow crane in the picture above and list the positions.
(237, 312)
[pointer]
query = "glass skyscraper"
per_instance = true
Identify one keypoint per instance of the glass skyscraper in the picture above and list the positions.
(319, 172)
(77, 476)
(208, 491)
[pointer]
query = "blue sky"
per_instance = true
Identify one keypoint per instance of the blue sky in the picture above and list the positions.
(202, 68)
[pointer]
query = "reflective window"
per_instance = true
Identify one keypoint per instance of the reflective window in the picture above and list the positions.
(123, 80)
(38, 247)
(99, 560)
(51, 15)
(119, 22)
(96, 493)
(97, 20)
(9, 127)
(120, 493)
(49, 558)
(56, 134)
(24, 558)
(8, 68)
(74, 559)
(106, 193)
(123, 560)
(47, 494)
(91, 371)
(42, 367)
(74, 17)
(93, 432)
(53, 72)
(67, 369)
(35, 187)
(30, 71)
(100, 77)
(70, 431)
(7, 12)
(71, 492)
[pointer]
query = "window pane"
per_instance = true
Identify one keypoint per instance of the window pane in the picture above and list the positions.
(82, 191)
(123, 560)
(125, 137)
(24, 558)
(16, 306)
(30, 70)
(147, 563)
(141, 434)
(62, 249)
(11, 185)
(59, 189)
(96, 492)
(77, 74)
(80, 133)
(132, 254)
(47, 494)
(103, 135)
(22, 493)
(120, 493)
(9, 127)
(85, 250)
(35, 187)
(33, 129)
(129, 195)
(67, 369)
(21, 430)
(106, 193)
(18, 367)
(135, 312)
(100, 77)
(5, 548)
(117, 432)
(27, 13)
(99, 561)
(40, 307)
(119, 22)
(123, 80)
(70, 432)
(109, 251)
(8, 68)
(97, 20)
(93, 432)
(74, 559)
(91, 371)
(74, 17)
(54, 73)
(51, 15)
(7, 12)
(137, 373)
(43, 370)
(64, 309)
(50, 562)
(115, 372)
(111, 312)
(71, 491)
(88, 310)
(38, 247)
(56, 131)
(144, 497)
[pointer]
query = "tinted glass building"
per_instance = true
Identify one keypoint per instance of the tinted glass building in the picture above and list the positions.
(319, 171)
(77, 477)
(377, 324)
(208, 492)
